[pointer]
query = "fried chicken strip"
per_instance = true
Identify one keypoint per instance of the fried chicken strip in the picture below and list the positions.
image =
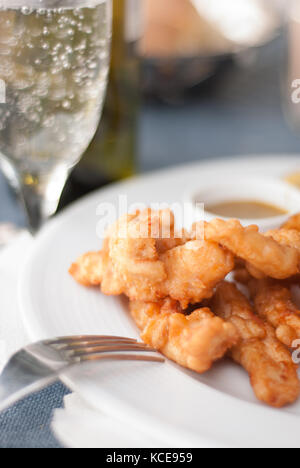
(289, 237)
(88, 269)
(293, 223)
(272, 372)
(241, 275)
(285, 237)
(273, 302)
(263, 254)
(193, 271)
(146, 272)
(195, 341)
(149, 269)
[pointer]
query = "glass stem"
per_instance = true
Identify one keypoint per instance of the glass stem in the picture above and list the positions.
(40, 194)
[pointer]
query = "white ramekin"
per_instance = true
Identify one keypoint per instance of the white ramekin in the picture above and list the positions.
(237, 188)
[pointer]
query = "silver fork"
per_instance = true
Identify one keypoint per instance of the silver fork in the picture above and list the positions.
(40, 364)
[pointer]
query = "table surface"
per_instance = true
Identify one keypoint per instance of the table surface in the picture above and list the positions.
(239, 113)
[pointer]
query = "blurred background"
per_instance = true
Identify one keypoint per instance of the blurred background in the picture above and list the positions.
(190, 80)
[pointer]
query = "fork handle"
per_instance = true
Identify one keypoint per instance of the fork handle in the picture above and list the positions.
(16, 384)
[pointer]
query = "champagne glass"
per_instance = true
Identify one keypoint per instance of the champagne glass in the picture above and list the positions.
(54, 60)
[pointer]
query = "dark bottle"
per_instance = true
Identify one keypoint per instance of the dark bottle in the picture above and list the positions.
(112, 155)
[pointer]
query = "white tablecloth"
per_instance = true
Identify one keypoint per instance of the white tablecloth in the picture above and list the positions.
(78, 425)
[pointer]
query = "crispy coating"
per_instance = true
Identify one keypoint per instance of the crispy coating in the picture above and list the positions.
(263, 254)
(193, 271)
(131, 259)
(289, 237)
(140, 251)
(163, 272)
(194, 341)
(273, 302)
(293, 223)
(149, 269)
(186, 273)
(241, 275)
(88, 269)
(272, 372)
(143, 312)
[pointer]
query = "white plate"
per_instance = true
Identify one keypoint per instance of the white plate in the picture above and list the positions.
(175, 405)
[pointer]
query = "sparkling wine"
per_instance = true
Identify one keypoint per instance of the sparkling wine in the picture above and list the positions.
(54, 63)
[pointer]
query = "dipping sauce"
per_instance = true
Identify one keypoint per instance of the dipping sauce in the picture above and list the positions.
(245, 209)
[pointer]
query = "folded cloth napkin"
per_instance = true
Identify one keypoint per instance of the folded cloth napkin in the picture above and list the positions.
(78, 425)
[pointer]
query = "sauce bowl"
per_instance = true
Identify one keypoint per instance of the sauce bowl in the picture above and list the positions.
(237, 188)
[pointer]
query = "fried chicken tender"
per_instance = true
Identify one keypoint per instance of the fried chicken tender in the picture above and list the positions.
(193, 271)
(131, 259)
(88, 270)
(149, 269)
(272, 372)
(186, 273)
(289, 237)
(293, 223)
(273, 302)
(241, 275)
(263, 255)
(194, 341)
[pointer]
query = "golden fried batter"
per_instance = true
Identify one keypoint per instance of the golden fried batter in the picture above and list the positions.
(163, 272)
(194, 341)
(273, 302)
(272, 372)
(143, 312)
(241, 275)
(132, 264)
(145, 269)
(293, 223)
(193, 270)
(289, 237)
(264, 255)
(88, 270)
(186, 273)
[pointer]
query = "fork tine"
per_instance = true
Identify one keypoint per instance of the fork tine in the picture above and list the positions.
(110, 348)
(88, 338)
(83, 344)
(117, 357)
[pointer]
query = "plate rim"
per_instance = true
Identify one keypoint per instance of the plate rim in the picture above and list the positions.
(122, 408)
